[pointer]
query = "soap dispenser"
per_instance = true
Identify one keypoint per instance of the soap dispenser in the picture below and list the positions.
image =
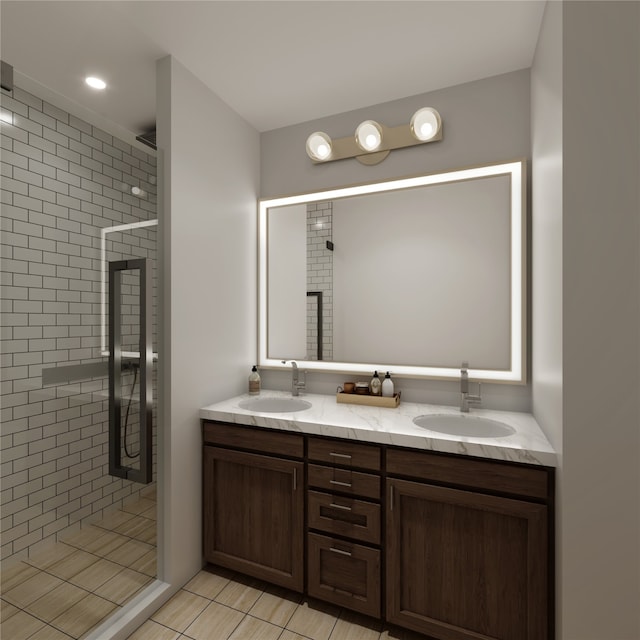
(254, 381)
(387, 386)
(375, 386)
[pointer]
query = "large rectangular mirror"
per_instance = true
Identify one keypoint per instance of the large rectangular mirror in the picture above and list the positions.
(414, 276)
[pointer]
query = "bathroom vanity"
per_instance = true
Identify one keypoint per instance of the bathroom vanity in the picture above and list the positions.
(450, 536)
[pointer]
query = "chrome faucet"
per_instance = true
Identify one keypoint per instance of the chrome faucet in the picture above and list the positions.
(467, 399)
(296, 383)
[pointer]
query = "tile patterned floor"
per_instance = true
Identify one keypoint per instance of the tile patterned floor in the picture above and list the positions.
(66, 590)
(221, 605)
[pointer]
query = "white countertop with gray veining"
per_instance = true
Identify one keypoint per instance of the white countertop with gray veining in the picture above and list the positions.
(395, 426)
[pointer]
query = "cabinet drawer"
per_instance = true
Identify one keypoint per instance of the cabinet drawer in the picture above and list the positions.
(354, 483)
(345, 574)
(469, 472)
(345, 453)
(282, 444)
(344, 516)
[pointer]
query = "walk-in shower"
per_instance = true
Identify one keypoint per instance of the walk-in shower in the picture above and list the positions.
(79, 361)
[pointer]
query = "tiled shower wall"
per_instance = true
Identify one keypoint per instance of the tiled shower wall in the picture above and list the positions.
(62, 181)
(319, 278)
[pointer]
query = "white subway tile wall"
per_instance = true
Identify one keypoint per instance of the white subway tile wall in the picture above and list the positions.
(62, 181)
(319, 278)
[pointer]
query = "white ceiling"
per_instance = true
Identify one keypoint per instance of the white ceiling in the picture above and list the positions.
(275, 63)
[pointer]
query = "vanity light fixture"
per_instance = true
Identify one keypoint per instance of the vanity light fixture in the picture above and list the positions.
(95, 83)
(372, 141)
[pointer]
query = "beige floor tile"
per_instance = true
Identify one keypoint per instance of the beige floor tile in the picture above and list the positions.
(24, 593)
(85, 536)
(105, 544)
(290, 635)
(20, 626)
(139, 506)
(122, 586)
(240, 595)
(151, 514)
(56, 601)
(275, 606)
(73, 564)
(149, 492)
(129, 552)
(151, 630)
(146, 564)
(8, 610)
(216, 616)
(254, 629)
(16, 574)
(49, 633)
(139, 528)
(114, 519)
(83, 615)
(353, 627)
(96, 575)
(314, 620)
(48, 557)
(132, 526)
(181, 610)
(207, 584)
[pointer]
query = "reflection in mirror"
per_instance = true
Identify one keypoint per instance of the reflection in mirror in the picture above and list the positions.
(414, 276)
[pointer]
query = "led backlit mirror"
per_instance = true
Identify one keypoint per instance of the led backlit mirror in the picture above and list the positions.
(413, 276)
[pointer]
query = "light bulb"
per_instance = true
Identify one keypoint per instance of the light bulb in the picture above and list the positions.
(323, 150)
(95, 83)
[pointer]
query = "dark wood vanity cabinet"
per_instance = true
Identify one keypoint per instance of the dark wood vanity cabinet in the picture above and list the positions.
(456, 548)
(465, 563)
(344, 557)
(254, 503)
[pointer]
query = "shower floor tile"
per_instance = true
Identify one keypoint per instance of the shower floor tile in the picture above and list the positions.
(62, 592)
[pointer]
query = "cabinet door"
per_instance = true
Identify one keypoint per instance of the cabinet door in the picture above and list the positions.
(464, 565)
(254, 515)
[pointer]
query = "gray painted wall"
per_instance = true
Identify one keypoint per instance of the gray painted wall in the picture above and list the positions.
(601, 321)
(483, 121)
(210, 176)
(546, 248)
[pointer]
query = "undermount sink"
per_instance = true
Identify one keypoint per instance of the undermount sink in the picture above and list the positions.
(275, 405)
(464, 425)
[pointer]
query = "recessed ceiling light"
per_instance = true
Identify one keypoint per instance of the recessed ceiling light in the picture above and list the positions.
(95, 83)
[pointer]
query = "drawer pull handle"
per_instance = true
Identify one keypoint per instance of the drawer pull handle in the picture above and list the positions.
(340, 506)
(340, 484)
(340, 551)
(340, 455)
(295, 479)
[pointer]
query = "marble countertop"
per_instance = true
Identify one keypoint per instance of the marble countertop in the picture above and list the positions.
(395, 426)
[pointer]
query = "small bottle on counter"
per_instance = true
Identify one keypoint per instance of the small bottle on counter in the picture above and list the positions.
(375, 386)
(387, 386)
(254, 381)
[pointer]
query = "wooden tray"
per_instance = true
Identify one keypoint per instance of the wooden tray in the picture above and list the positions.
(369, 400)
